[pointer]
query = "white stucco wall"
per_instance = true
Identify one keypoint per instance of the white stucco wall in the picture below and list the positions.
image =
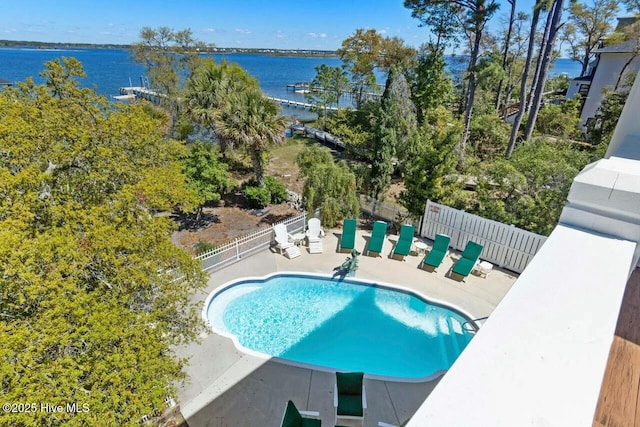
(574, 87)
(606, 75)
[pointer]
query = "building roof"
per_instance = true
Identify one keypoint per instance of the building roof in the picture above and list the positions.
(626, 47)
(4, 82)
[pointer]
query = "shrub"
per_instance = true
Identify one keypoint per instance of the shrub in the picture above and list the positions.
(258, 197)
(203, 246)
(277, 190)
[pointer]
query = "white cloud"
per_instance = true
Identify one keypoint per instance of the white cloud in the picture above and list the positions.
(242, 31)
(317, 35)
(382, 31)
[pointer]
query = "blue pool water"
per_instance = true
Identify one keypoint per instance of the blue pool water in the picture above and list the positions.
(342, 325)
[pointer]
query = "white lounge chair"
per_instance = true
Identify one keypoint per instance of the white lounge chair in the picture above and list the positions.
(285, 242)
(314, 231)
(314, 236)
(282, 237)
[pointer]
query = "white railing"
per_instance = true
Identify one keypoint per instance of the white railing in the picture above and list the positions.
(504, 245)
(241, 247)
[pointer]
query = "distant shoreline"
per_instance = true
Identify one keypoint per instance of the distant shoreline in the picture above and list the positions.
(266, 51)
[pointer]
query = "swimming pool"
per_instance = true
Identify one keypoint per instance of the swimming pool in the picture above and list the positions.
(348, 325)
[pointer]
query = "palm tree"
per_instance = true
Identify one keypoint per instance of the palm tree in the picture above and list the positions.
(253, 122)
(211, 89)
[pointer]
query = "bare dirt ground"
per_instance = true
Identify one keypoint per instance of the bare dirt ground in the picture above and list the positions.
(230, 218)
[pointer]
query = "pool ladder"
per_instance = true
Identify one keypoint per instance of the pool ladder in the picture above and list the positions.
(467, 326)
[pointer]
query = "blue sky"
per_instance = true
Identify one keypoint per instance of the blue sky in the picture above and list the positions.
(302, 24)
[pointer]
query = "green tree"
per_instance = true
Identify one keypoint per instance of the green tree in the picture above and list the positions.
(211, 91)
(394, 139)
(252, 122)
(560, 120)
(91, 304)
(311, 156)
(587, 27)
(600, 130)
(489, 135)
(207, 175)
(431, 171)
(546, 54)
(331, 187)
(531, 188)
(327, 88)
(395, 53)
(169, 57)
(431, 86)
(359, 54)
(476, 14)
(515, 128)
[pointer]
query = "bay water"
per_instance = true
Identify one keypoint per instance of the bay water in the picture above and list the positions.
(110, 69)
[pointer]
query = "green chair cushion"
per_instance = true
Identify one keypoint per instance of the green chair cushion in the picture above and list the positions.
(472, 251)
(348, 239)
(464, 266)
(435, 257)
(349, 383)
(292, 417)
(350, 405)
(377, 236)
(403, 247)
(406, 232)
(311, 422)
(441, 243)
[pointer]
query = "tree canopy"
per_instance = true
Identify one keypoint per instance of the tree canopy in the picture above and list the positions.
(94, 294)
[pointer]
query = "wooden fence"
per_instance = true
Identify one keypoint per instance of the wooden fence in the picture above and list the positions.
(503, 245)
(244, 246)
(387, 211)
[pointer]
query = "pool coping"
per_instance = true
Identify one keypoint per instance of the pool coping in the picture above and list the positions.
(365, 282)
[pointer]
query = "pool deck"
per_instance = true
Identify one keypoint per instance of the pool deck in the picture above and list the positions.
(229, 388)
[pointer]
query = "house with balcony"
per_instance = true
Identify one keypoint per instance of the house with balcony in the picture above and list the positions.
(609, 70)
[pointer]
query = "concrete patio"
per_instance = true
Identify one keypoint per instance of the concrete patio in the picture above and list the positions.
(229, 388)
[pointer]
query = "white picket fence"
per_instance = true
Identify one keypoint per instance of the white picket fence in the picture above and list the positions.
(248, 244)
(504, 245)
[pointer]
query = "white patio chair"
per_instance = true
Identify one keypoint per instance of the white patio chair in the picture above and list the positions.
(314, 231)
(282, 237)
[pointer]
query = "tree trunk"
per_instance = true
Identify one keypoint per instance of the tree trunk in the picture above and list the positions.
(507, 95)
(544, 71)
(471, 92)
(536, 76)
(505, 52)
(256, 159)
(585, 61)
(523, 83)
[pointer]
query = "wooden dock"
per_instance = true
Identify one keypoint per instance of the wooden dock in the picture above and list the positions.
(321, 136)
(138, 92)
(299, 104)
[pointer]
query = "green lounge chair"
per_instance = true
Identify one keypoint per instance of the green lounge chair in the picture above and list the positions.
(439, 250)
(405, 240)
(376, 241)
(469, 258)
(349, 396)
(348, 239)
(294, 418)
